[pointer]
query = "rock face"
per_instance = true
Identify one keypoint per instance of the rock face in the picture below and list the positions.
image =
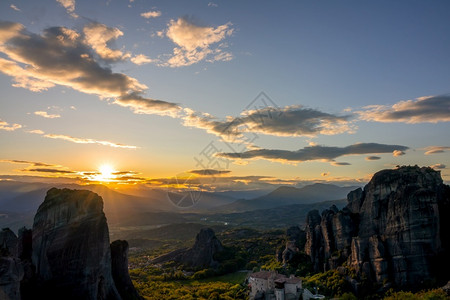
(201, 255)
(395, 230)
(293, 236)
(71, 249)
(11, 273)
(119, 262)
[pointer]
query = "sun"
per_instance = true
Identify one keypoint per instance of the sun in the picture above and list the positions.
(106, 173)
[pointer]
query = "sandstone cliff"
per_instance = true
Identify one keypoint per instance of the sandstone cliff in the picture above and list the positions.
(394, 230)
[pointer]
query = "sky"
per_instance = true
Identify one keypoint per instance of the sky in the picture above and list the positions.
(237, 94)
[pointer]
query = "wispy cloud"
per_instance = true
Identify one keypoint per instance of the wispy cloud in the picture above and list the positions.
(195, 43)
(209, 172)
(88, 141)
(141, 59)
(369, 158)
(436, 149)
(81, 140)
(212, 4)
(46, 115)
(49, 170)
(316, 152)
(69, 5)
(431, 109)
(151, 14)
(14, 7)
(27, 162)
(9, 127)
(62, 56)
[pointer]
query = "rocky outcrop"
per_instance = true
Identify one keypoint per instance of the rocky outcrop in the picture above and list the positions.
(11, 269)
(71, 249)
(201, 255)
(293, 236)
(8, 243)
(394, 230)
(205, 247)
(67, 255)
(119, 262)
(11, 273)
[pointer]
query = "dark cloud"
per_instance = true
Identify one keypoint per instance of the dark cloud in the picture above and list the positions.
(210, 172)
(340, 163)
(49, 170)
(316, 152)
(432, 109)
(33, 163)
(62, 56)
(373, 158)
(287, 121)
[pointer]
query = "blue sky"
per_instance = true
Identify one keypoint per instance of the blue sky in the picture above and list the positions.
(146, 86)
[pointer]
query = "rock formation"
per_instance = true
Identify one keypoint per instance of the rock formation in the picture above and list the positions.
(71, 249)
(11, 270)
(293, 236)
(119, 262)
(201, 255)
(67, 255)
(395, 230)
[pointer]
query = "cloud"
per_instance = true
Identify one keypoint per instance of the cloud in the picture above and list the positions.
(9, 127)
(87, 141)
(431, 109)
(312, 153)
(436, 149)
(210, 172)
(373, 158)
(98, 36)
(212, 4)
(46, 115)
(27, 162)
(61, 56)
(36, 131)
(48, 170)
(287, 121)
(142, 105)
(69, 5)
(81, 140)
(438, 166)
(14, 7)
(141, 59)
(397, 153)
(340, 163)
(195, 42)
(151, 14)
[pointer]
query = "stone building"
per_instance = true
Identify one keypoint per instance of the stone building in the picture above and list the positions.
(270, 285)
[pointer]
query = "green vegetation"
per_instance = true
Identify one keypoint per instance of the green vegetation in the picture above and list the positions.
(244, 249)
(191, 289)
(329, 283)
(436, 294)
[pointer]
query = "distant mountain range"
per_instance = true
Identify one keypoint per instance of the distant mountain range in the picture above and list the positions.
(287, 195)
(20, 200)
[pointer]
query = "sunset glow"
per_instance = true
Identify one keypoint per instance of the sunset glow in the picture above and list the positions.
(299, 93)
(106, 173)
